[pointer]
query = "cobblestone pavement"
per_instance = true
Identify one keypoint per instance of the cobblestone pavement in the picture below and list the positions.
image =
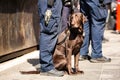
(10, 70)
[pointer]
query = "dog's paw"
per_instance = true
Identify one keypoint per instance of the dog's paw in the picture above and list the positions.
(77, 71)
(80, 72)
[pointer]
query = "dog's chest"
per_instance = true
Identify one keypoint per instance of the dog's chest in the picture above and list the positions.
(75, 42)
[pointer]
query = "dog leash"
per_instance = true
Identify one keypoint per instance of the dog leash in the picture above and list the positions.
(62, 41)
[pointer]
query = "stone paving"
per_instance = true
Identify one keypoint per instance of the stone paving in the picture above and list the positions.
(10, 70)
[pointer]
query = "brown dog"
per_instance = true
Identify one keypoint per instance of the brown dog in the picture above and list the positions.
(69, 43)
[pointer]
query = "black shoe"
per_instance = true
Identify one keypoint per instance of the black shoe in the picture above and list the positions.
(53, 72)
(100, 60)
(84, 57)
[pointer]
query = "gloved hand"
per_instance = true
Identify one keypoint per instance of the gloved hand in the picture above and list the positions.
(48, 14)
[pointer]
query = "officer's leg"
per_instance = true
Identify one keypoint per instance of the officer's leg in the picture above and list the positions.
(85, 46)
(48, 38)
(97, 35)
(97, 31)
(47, 44)
(98, 17)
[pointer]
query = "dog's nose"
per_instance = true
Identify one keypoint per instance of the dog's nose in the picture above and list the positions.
(73, 21)
(74, 24)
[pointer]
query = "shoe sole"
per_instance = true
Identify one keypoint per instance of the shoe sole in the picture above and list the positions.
(97, 61)
(50, 74)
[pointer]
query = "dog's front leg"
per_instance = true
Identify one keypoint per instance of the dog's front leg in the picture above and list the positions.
(76, 63)
(69, 54)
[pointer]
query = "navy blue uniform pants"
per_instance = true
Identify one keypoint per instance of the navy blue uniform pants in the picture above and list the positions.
(93, 28)
(65, 17)
(48, 34)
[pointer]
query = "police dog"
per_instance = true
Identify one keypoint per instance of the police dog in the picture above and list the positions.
(69, 43)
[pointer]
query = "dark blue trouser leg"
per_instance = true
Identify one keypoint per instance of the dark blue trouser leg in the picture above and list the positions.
(65, 17)
(84, 49)
(97, 36)
(93, 28)
(93, 33)
(47, 44)
(48, 34)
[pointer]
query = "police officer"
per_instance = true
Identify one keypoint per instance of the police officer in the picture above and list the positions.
(50, 14)
(96, 13)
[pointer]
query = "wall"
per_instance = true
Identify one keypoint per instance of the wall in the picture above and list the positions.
(19, 25)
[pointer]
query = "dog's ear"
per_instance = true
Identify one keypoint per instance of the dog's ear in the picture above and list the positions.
(84, 19)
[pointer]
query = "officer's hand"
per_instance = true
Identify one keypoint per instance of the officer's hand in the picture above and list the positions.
(48, 14)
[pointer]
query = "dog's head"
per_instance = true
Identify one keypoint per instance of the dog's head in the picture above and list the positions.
(77, 20)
